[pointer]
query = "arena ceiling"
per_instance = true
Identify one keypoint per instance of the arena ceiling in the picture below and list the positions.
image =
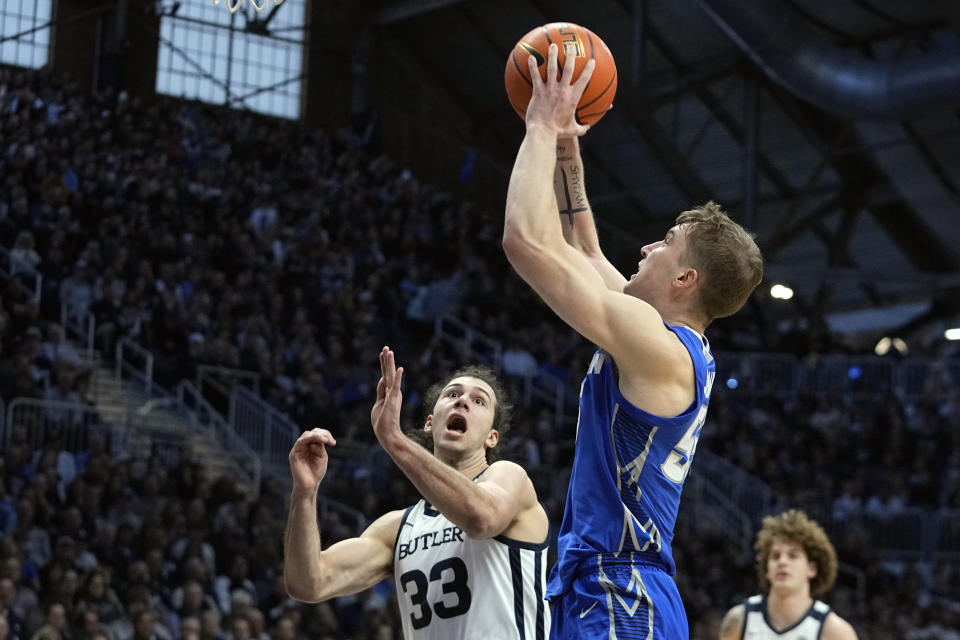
(829, 127)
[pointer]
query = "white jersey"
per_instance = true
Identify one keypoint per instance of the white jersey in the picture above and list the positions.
(453, 587)
(756, 624)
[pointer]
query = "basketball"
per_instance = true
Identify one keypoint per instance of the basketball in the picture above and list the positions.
(599, 93)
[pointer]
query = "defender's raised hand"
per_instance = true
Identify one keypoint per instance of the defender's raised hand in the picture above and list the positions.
(385, 414)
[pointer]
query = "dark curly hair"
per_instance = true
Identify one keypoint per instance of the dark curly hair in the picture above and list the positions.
(502, 410)
(795, 526)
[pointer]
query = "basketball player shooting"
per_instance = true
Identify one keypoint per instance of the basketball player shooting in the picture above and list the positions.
(469, 559)
(795, 561)
(644, 398)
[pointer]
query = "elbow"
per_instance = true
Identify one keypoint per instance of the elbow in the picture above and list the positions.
(302, 592)
(518, 247)
(481, 525)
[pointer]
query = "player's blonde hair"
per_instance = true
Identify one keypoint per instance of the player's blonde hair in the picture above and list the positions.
(725, 256)
(795, 526)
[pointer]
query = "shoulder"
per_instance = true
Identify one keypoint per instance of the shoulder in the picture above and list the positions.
(836, 628)
(731, 628)
(503, 468)
(508, 475)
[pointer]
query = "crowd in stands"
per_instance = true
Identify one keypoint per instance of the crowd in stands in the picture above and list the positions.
(295, 253)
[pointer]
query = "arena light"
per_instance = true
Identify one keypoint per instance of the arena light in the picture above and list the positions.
(781, 292)
(886, 343)
(234, 5)
(883, 346)
(952, 334)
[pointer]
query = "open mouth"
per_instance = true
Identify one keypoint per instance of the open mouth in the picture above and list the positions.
(457, 423)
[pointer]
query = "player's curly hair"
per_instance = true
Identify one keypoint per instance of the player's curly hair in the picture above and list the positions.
(795, 526)
(502, 409)
(726, 257)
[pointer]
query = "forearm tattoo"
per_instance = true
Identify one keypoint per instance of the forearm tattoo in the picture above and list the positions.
(572, 198)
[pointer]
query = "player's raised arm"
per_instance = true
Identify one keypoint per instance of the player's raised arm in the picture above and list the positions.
(626, 326)
(311, 574)
(576, 216)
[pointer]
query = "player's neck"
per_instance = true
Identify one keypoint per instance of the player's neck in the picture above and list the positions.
(684, 320)
(470, 465)
(785, 609)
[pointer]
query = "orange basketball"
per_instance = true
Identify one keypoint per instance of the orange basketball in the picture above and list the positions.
(568, 36)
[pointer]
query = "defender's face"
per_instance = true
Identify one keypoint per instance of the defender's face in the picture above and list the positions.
(788, 567)
(660, 262)
(462, 418)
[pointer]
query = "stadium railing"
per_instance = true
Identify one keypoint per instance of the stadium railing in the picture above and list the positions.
(6, 269)
(913, 533)
(263, 428)
(785, 375)
(201, 414)
(80, 325)
(486, 350)
(216, 383)
(131, 360)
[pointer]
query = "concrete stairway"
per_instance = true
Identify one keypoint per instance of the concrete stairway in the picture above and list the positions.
(156, 421)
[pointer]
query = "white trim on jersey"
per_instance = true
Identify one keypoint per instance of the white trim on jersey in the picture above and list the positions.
(757, 625)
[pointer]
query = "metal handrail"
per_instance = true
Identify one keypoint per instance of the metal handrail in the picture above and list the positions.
(85, 329)
(145, 374)
(263, 427)
(217, 372)
(541, 385)
(220, 431)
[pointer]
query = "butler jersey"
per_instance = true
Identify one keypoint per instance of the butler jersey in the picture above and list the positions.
(452, 586)
(756, 622)
(628, 471)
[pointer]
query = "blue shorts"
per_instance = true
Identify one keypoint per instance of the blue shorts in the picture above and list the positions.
(617, 598)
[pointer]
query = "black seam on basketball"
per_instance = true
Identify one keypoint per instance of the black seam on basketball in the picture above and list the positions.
(533, 51)
(584, 116)
(520, 69)
(590, 40)
(546, 33)
(601, 94)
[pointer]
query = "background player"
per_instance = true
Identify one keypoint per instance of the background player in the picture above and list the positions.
(469, 560)
(645, 395)
(795, 561)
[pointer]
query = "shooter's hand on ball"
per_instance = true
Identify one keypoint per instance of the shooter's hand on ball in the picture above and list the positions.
(308, 459)
(554, 102)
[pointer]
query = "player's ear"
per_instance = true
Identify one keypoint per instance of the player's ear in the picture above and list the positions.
(687, 278)
(492, 439)
(811, 570)
(428, 425)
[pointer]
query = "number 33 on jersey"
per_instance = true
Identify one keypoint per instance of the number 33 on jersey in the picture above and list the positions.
(453, 586)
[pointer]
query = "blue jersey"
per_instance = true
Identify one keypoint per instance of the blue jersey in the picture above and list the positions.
(628, 470)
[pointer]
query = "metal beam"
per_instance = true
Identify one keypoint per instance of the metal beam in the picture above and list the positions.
(751, 118)
(638, 44)
(925, 250)
(689, 182)
(800, 224)
(722, 116)
(399, 11)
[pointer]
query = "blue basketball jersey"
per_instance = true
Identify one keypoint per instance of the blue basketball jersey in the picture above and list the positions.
(628, 470)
